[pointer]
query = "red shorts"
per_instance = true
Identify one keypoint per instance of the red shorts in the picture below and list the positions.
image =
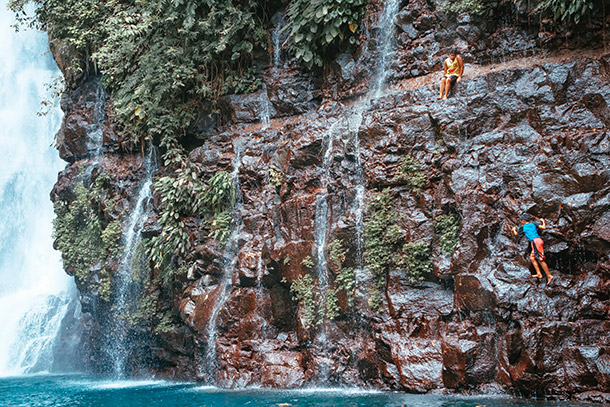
(537, 249)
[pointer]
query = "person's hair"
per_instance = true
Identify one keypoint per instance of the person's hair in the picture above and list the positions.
(525, 217)
(454, 51)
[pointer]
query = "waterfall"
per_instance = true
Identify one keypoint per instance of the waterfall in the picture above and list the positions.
(229, 262)
(385, 54)
(127, 288)
(265, 106)
(350, 123)
(386, 45)
(35, 293)
(276, 40)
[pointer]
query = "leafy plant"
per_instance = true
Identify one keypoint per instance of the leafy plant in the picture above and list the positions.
(448, 227)
(82, 235)
(336, 252)
(346, 281)
(332, 305)
(275, 177)
(382, 239)
(567, 10)
(411, 171)
(166, 324)
(385, 247)
(318, 26)
(474, 7)
(302, 291)
(160, 59)
(346, 278)
(308, 263)
(187, 195)
(415, 259)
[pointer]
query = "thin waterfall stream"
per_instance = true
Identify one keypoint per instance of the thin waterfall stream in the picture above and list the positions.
(350, 122)
(127, 288)
(229, 261)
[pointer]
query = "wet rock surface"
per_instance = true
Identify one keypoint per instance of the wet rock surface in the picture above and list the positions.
(512, 139)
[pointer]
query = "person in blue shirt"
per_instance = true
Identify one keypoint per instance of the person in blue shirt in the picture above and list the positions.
(530, 230)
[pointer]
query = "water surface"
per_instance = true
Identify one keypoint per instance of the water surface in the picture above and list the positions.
(72, 390)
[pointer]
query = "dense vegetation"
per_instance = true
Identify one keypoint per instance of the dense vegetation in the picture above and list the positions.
(164, 61)
(569, 11)
(83, 234)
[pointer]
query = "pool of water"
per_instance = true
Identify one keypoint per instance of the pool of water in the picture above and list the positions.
(72, 390)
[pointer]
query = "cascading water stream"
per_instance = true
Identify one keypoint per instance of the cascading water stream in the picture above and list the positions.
(229, 261)
(352, 123)
(35, 293)
(386, 47)
(276, 40)
(265, 106)
(126, 286)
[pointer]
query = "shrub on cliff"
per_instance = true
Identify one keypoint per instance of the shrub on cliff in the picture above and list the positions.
(186, 195)
(569, 11)
(317, 26)
(82, 234)
(385, 247)
(160, 59)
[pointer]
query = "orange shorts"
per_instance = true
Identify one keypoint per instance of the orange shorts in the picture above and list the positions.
(537, 249)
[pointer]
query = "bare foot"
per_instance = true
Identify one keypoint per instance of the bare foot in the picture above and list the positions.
(445, 98)
(439, 98)
(548, 279)
(538, 275)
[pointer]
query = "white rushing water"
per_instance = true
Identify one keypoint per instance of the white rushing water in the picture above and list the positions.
(35, 293)
(126, 287)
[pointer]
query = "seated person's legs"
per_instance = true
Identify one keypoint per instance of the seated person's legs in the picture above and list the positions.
(450, 82)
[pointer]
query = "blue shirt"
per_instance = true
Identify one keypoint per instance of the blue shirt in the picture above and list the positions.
(530, 230)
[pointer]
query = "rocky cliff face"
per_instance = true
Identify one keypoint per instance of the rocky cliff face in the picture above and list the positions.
(333, 170)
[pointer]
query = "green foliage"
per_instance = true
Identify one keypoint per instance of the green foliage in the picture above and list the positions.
(385, 247)
(332, 305)
(143, 312)
(318, 26)
(166, 324)
(105, 286)
(411, 171)
(567, 10)
(415, 259)
(275, 177)
(220, 193)
(383, 238)
(111, 238)
(76, 22)
(160, 59)
(346, 281)
(308, 263)
(474, 7)
(81, 234)
(336, 252)
(570, 11)
(448, 227)
(346, 278)
(183, 196)
(302, 291)
(221, 225)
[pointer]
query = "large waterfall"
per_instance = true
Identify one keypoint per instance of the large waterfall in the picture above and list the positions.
(35, 293)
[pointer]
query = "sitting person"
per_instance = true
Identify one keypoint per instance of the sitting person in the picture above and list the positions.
(454, 69)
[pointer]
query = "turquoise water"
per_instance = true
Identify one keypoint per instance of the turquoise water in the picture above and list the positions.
(69, 391)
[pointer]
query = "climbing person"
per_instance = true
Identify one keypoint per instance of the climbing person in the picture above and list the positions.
(530, 230)
(452, 73)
